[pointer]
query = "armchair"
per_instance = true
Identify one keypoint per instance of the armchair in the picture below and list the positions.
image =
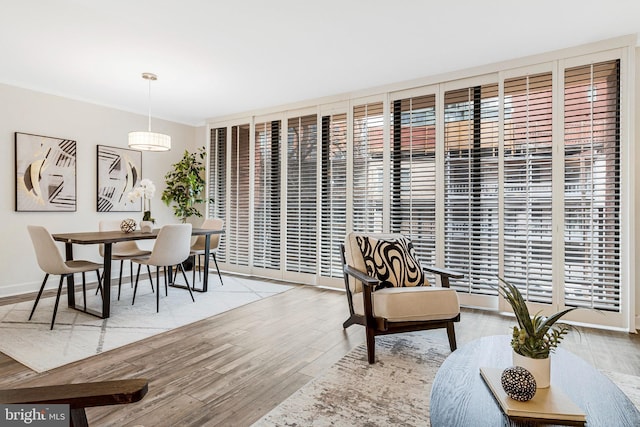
(388, 293)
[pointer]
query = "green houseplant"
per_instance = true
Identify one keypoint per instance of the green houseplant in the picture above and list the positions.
(185, 185)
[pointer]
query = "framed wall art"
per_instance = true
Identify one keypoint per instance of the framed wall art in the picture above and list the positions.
(45, 172)
(119, 171)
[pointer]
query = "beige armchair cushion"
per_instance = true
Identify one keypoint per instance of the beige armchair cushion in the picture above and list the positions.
(411, 304)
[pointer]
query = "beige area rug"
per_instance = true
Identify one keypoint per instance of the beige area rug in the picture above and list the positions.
(394, 391)
(77, 335)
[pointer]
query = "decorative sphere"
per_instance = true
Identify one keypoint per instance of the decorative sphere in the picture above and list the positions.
(518, 383)
(128, 225)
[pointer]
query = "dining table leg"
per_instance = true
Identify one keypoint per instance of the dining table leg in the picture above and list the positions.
(71, 294)
(106, 281)
(207, 254)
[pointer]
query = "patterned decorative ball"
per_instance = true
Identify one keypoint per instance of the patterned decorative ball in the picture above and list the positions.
(128, 225)
(518, 383)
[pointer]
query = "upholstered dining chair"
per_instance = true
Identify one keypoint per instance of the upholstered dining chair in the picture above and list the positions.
(122, 251)
(388, 292)
(51, 262)
(198, 247)
(171, 248)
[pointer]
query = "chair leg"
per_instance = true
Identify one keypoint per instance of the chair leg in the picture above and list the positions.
(131, 270)
(451, 333)
(371, 345)
(158, 293)
(217, 268)
(46, 276)
(186, 281)
(120, 278)
(151, 278)
(99, 284)
(84, 291)
(196, 259)
(55, 307)
(166, 281)
(99, 288)
(135, 288)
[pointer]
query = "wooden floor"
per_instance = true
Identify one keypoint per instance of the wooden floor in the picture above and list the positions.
(235, 367)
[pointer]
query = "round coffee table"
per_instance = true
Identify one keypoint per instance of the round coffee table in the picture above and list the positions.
(460, 397)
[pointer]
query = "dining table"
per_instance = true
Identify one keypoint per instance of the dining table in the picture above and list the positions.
(108, 238)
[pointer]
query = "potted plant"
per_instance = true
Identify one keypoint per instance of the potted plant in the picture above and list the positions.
(145, 190)
(535, 337)
(185, 184)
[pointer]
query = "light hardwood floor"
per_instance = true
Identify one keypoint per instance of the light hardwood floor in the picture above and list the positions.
(231, 369)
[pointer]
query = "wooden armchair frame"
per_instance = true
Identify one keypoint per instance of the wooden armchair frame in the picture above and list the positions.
(79, 396)
(375, 326)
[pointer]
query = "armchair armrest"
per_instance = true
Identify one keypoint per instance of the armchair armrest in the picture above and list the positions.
(444, 274)
(79, 396)
(363, 277)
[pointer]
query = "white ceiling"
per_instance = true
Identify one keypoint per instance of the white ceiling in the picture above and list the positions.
(215, 58)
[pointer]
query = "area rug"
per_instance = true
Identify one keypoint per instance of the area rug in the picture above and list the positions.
(77, 335)
(393, 391)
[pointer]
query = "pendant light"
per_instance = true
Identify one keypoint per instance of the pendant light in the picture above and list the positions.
(149, 141)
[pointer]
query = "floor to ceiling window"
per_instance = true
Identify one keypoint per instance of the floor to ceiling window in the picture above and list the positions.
(517, 173)
(266, 206)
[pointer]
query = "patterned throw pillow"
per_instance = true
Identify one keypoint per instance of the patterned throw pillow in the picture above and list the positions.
(393, 262)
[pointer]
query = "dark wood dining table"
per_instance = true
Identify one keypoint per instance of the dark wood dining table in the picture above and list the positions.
(108, 238)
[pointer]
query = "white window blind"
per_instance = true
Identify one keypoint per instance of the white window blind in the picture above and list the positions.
(527, 185)
(592, 186)
(334, 193)
(238, 220)
(218, 182)
(266, 208)
(368, 172)
(413, 177)
(471, 186)
(302, 157)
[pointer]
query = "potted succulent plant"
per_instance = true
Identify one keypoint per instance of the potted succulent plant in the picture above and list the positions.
(535, 337)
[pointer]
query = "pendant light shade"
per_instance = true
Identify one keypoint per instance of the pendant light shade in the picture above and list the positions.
(149, 141)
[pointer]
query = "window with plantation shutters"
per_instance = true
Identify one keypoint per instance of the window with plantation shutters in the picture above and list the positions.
(471, 186)
(528, 199)
(218, 181)
(413, 173)
(592, 186)
(334, 193)
(238, 219)
(266, 206)
(368, 167)
(302, 157)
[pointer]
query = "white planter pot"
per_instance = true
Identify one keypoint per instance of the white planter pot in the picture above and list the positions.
(539, 368)
(146, 226)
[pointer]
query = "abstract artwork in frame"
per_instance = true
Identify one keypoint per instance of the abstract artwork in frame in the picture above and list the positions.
(119, 172)
(45, 173)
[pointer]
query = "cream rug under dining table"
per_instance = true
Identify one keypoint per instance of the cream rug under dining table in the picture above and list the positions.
(77, 335)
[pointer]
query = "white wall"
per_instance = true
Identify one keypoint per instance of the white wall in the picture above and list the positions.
(89, 125)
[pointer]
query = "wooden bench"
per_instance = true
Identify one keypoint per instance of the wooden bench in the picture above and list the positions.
(79, 396)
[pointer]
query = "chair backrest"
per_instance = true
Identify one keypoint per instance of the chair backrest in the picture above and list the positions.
(49, 257)
(390, 255)
(172, 246)
(214, 240)
(114, 225)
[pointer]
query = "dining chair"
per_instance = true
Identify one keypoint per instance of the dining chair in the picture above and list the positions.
(198, 247)
(171, 248)
(122, 251)
(51, 262)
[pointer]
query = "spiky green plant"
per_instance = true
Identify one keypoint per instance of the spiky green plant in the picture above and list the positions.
(535, 336)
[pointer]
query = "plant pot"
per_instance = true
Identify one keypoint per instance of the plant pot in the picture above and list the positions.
(539, 368)
(146, 226)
